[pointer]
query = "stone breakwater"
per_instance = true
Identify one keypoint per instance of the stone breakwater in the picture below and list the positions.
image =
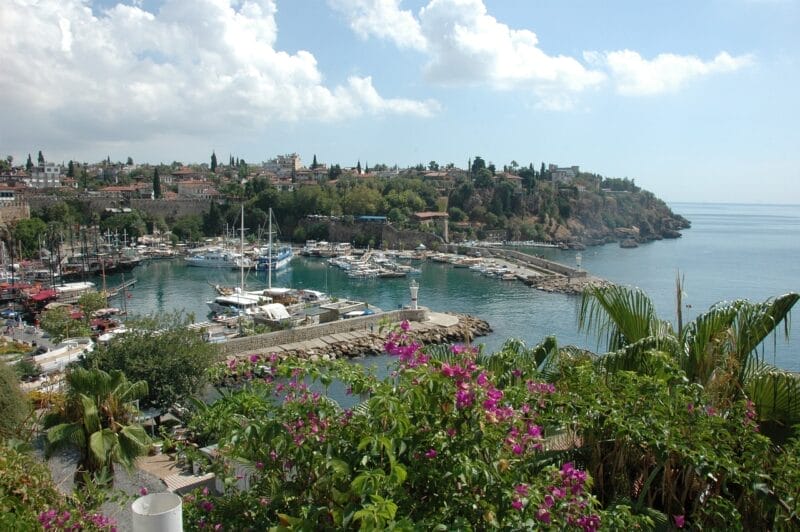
(438, 328)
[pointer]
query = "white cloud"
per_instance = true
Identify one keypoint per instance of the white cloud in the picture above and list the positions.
(71, 74)
(382, 19)
(467, 46)
(634, 75)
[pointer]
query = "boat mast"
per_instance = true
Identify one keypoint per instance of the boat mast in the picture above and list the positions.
(241, 258)
(269, 251)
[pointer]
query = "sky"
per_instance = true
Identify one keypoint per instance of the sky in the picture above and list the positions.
(694, 99)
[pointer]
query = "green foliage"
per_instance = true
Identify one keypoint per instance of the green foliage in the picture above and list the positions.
(90, 302)
(14, 405)
(29, 500)
(163, 352)
(719, 349)
(27, 232)
(188, 228)
(98, 418)
(156, 184)
(131, 222)
(58, 323)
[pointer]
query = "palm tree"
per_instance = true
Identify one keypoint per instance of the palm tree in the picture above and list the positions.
(98, 417)
(720, 349)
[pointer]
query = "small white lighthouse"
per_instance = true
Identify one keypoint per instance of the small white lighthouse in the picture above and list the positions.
(414, 287)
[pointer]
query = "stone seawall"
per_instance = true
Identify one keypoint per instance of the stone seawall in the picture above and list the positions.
(359, 336)
(537, 262)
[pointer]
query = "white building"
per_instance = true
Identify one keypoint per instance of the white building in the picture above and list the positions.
(47, 175)
(283, 164)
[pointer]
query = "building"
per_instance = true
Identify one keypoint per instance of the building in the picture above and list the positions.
(47, 175)
(563, 175)
(283, 164)
(197, 188)
(431, 217)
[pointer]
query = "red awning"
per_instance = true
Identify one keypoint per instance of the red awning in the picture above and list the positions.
(44, 295)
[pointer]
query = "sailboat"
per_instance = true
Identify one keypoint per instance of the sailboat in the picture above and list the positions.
(273, 258)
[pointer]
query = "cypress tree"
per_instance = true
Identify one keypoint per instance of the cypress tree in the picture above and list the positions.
(314, 164)
(29, 164)
(156, 184)
(358, 167)
(41, 158)
(213, 162)
(71, 169)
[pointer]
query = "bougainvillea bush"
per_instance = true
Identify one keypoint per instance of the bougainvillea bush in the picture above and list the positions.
(453, 440)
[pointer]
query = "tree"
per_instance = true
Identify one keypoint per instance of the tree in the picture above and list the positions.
(542, 171)
(163, 352)
(156, 184)
(90, 302)
(719, 349)
(13, 403)
(59, 324)
(213, 161)
(314, 163)
(71, 169)
(358, 168)
(98, 418)
(477, 165)
(27, 232)
(188, 228)
(29, 164)
(41, 158)
(433, 166)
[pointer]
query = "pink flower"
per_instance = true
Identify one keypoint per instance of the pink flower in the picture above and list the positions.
(516, 504)
(232, 363)
(143, 491)
(680, 520)
(254, 358)
(259, 465)
(404, 325)
(521, 489)
(517, 449)
(690, 407)
(543, 515)
(431, 453)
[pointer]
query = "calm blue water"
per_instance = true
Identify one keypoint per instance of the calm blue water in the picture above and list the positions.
(732, 251)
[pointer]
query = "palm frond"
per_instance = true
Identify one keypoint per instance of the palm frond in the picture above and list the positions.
(618, 315)
(133, 442)
(101, 445)
(776, 394)
(63, 436)
(90, 416)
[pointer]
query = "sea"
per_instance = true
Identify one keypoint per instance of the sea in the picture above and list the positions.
(732, 251)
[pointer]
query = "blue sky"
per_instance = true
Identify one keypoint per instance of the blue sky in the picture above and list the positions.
(696, 100)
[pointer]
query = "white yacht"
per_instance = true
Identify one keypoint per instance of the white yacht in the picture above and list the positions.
(215, 258)
(238, 304)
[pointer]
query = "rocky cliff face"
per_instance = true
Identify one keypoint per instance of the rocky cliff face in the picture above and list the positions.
(600, 218)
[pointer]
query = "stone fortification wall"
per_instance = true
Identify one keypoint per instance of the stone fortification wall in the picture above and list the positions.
(536, 262)
(409, 239)
(303, 334)
(168, 209)
(12, 211)
(172, 209)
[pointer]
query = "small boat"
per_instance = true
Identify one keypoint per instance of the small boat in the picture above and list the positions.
(215, 258)
(237, 304)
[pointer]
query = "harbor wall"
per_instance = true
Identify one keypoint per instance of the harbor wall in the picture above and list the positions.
(302, 334)
(536, 262)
